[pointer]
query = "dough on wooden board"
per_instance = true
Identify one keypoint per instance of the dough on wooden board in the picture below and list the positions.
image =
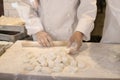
(53, 62)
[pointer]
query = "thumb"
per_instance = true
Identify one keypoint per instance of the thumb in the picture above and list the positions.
(70, 42)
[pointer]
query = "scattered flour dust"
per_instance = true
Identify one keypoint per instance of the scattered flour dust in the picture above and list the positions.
(53, 61)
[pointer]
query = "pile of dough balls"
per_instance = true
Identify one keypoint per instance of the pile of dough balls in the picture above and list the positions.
(52, 62)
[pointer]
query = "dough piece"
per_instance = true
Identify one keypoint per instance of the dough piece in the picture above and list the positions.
(30, 56)
(65, 61)
(61, 65)
(70, 69)
(81, 64)
(73, 63)
(29, 67)
(46, 70)
(51, 56)
(38, 69)
(26, 61)
(34, 62)
(42, 61)
(57, 69)
(58, 59)
(51, 63)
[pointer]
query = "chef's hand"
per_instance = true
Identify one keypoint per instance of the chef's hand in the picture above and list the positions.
(75, 42)
(44, 39)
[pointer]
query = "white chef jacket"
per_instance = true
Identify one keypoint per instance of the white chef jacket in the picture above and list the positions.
(111, 30)
(60, 18)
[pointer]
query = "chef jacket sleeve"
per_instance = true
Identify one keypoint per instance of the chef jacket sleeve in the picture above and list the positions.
(86, 14)
(31, 16)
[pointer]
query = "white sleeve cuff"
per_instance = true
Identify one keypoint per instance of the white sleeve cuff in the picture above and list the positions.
(33, 25)
(85, 26)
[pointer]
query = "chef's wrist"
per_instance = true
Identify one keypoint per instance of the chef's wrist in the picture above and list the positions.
(80, 33)
(39, 32)
(35, 35)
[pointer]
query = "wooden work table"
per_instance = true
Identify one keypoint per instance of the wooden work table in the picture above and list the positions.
(102, 61)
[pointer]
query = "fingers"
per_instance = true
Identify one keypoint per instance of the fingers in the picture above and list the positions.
(79, 44)
(75, 47)
(45, 42)
(50, 40)
(73, 51)
(42, 42)
(44, 39)
(71, 40)
(75, 42)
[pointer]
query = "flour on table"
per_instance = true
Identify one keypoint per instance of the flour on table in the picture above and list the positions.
(52, 61)
(115, 55)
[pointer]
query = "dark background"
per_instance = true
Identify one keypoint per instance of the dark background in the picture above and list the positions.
(1, 8)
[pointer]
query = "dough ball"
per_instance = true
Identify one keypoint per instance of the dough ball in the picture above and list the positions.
(29, 67)
(38, 69)
(70, 69)
(46, 70)
(26, 61)
(50, 63)
(57, 69)
(73, 63)
(81, 64)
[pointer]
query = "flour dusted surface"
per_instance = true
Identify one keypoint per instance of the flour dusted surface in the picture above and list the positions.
(55, 61)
